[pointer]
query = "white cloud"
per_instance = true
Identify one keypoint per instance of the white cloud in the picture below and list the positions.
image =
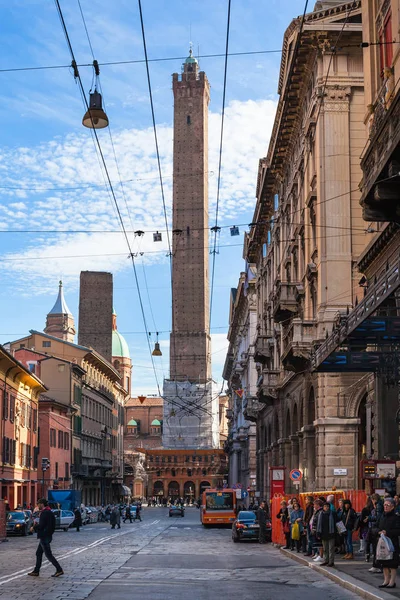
(84, 204)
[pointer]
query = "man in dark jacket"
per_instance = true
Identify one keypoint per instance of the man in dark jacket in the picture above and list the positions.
(326, 528)
(45, 530)
(78, 519)
(262, 521)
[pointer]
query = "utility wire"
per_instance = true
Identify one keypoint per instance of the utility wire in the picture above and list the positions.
(216, 229)
(109, 182)
(176, 58)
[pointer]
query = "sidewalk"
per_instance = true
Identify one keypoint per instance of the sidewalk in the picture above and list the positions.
(352, 575)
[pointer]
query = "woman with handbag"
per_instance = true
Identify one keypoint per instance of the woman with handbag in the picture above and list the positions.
(389, 525)
(297, 526)
(283, 516)
(349, 517)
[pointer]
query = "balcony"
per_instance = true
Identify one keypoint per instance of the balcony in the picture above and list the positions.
(297, 345)
(263, 348)
(252, 409)
(285, 304)
(380, 166)
(267, 387)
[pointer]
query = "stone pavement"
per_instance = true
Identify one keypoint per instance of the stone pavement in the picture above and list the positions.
(351, 574)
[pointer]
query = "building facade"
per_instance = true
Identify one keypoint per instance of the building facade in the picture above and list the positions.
(241, 374)
(306, 241)
(19, 399)
(366, 337)
(191, 400)
(94, 391)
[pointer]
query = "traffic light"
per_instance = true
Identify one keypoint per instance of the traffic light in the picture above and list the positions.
(45, 464)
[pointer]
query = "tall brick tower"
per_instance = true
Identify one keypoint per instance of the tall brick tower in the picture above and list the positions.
(189, 405)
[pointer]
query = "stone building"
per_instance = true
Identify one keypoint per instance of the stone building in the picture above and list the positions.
(19, 398)
(306, 241)
(366, 338)
(241, 375)
(144, 451)
(191, 400)
(95, 391)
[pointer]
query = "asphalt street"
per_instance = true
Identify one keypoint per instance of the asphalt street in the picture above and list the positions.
(159, 558)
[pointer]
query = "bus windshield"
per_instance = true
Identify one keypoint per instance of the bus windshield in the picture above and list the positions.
(219, 501)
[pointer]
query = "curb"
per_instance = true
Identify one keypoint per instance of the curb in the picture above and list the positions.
(346, 581)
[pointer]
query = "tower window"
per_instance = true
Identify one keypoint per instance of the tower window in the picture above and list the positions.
(188, 119)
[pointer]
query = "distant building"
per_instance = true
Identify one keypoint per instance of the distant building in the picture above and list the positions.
(19, 398)
(144, 451)
(93, 392)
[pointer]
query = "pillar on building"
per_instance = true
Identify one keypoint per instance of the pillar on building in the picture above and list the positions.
(308, 434)
(338, 449)
(234, 465)
(285, 459)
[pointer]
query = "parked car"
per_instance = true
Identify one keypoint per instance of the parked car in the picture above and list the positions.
(64, 519)
(246, 527)
(176, 511)
(18, 523)
(29, 517)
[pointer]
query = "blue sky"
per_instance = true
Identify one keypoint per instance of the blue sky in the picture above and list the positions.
(51, 180)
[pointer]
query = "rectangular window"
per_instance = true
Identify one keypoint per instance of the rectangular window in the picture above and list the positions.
(5, 405)
(77, 395)
(6, 450)
(35, 457)
(61, 368)
(61, 439)
(53, 438)
(66, 440)
(12, 408)
(188, 119)
(46, 344)
(138, 425)
(56, 467)
(34, 419)
(32, 367)
(66, 471)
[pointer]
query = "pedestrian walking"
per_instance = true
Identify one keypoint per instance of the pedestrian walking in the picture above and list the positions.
(128, 514)
(115, 518)
(78, 519)
(45, 530)
(326, 528)
(138, 512)
(262, 521)
(317, 543)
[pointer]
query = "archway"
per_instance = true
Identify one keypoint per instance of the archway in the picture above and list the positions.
(189, 490)
(204, 485)
(158, 488)
(173, 489)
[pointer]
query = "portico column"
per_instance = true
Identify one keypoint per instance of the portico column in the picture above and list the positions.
(285, 458)
(308, 432)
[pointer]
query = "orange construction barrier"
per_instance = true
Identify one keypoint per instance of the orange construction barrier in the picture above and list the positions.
(278, 536)
(358, 499)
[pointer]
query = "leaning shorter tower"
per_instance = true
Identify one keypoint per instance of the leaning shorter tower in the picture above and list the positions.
(190, 400)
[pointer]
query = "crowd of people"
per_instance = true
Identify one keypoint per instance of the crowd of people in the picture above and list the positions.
(323, 531)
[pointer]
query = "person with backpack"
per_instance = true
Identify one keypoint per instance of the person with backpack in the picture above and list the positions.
(45, 530)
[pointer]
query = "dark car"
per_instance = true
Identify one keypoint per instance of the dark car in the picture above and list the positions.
(246, 527)
(176, 511)
(18, 523)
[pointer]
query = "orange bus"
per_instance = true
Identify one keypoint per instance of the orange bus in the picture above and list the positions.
(218, 507)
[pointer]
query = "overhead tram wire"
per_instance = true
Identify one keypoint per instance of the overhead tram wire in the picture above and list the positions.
(173, 58)
(216, 229)
(109, 182)
(160, 176)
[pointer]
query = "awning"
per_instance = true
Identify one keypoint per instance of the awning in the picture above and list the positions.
(125, 491)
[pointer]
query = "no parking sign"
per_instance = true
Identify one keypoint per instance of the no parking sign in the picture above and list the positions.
(296, 476)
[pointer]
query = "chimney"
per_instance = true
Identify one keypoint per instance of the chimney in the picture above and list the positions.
(95, 312)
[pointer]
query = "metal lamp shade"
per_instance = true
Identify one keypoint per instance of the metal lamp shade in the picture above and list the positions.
(157, 351)
(95, 117)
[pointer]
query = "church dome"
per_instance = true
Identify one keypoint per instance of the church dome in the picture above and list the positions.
(191, 60)
(132, 423)
(120, 348)
(156, 423)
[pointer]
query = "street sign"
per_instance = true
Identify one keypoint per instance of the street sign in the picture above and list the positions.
(295, 475)
(244, 494)
(340, 471)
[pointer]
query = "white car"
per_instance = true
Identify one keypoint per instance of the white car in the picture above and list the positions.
(64, 518)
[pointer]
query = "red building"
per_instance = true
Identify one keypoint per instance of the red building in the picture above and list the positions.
(19, 396)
